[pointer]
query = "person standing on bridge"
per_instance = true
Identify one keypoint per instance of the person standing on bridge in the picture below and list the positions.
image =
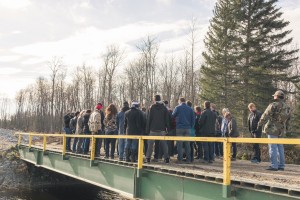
(73, 126)
(67, 119)
(185, 120)
(95, 127)
(232, 132)
(207, 123)
(134, 125)
(86, 130)
(111, 128)
(253, 120)
(79, 131)
(120, 124)
(274, 121)
(158, 122)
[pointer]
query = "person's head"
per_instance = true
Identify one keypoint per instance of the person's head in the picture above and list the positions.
(181, 100)
(77, 113)
(224, 111)
(166, 103)
(135, 104)
(125, 104)
(278, 95)
(207, 104)
(99, 106)
(189, 103)
(252, 107)
(82, 113)
(144, 109)
(228, 115)
(213, 106)
(88, 111)
(157, 98)
(197, 109)
(111, 110)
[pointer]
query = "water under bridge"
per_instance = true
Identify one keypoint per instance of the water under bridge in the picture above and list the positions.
(220, 180)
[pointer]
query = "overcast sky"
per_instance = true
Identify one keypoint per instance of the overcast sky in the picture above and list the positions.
(33, 31)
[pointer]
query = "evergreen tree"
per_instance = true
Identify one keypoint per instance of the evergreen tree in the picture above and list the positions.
(220, 56)
(259, 52)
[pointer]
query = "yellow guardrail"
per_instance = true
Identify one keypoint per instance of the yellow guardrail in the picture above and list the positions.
(226, 145)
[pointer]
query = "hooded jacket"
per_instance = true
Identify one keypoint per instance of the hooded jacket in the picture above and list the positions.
(158, 118)
(134, 122)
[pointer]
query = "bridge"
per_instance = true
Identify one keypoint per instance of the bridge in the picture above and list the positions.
(221, 180)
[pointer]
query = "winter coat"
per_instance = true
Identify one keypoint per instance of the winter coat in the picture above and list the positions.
(86, 118)
(253, 120)
(232, 128)
(121, 120)
(79, 125)
(67, 119)
(207, 123)
(95, 121)
(274, 119)
(110, 124)
(158, 118)
(73, 123)
(134, 122)
(185, 117)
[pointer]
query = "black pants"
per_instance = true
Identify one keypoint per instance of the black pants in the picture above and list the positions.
(256, 147)
(234, 150)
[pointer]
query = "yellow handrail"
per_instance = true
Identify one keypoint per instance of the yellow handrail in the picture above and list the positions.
(226, 145)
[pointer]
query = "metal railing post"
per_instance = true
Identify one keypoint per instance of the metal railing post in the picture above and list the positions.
(64, 145)
(19, 139)
(30, 140)
(93, 148)
(140, 156)
(45, 142)
(226, 169)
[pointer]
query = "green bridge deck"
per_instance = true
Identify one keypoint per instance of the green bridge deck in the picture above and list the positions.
(160, 181)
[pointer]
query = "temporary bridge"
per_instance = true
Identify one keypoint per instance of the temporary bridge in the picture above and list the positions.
(160, 181)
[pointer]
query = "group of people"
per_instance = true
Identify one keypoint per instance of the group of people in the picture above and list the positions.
(183, 121)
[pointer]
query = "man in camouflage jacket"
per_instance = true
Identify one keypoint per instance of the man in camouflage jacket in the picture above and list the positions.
(273, 122)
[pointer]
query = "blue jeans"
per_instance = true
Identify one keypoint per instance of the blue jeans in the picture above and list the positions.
(68, 145)
(276, 150)
(200, 150)
(111, 141)
(74, 145)
(86, 144)
(131, 144)
(183, 133)
(121, 147)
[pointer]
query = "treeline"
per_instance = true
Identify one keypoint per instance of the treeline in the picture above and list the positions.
(42, 105)
(248, 55)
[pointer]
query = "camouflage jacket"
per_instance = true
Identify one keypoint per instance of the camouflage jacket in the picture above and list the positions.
(274, 118)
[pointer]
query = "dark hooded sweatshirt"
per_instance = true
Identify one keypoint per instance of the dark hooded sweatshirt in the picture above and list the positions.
(158, 118)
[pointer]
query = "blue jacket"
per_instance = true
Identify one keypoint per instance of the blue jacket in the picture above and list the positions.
(121, 121)
(185, 116)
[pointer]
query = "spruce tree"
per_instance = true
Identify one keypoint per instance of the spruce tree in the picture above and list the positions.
(257, 50)
(220, 56)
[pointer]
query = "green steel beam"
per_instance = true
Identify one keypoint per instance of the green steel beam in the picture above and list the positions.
(143, 184)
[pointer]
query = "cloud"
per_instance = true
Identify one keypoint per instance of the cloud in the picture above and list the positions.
(9, 58)
(90, 42)
(8, 71)
(14, 4)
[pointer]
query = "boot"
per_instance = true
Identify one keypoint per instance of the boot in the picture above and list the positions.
(127, 155)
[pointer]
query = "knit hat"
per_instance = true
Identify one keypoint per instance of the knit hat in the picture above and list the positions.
(135, 104)
(99, 106)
